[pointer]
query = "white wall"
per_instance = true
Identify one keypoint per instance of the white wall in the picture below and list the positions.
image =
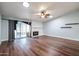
(52, 28)
(37, 26)
(4, 30)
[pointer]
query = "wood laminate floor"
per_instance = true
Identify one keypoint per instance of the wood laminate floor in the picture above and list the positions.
(41, 46)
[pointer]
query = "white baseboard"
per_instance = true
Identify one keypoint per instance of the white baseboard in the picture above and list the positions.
(64, 37)
(3, 40)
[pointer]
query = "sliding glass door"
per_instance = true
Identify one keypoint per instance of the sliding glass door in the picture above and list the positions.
(22, 29)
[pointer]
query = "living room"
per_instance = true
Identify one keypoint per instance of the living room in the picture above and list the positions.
(39, 28)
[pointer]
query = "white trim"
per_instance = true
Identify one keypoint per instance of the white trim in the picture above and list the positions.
(13, 18)
(68, 38)
(0, 42)
(3, 40)
(37, 35)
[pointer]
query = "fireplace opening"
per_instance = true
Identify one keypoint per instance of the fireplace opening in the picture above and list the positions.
(35, 33)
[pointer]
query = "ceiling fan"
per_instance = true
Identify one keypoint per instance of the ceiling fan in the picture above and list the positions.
(44, 14)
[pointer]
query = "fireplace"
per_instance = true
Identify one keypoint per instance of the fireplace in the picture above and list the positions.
(35, 33)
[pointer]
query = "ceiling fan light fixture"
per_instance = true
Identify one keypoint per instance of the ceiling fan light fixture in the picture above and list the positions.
(43, 16)
(26, 4)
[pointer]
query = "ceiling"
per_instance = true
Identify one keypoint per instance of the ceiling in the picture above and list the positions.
(17, 10)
